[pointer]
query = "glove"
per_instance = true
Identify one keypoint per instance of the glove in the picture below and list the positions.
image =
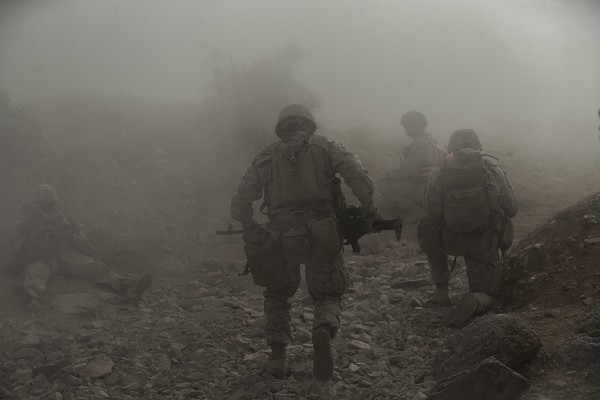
(370, 218)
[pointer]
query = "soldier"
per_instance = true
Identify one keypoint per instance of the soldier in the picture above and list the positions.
(296, 174)
(469, 203)
(403, 187)
(49, 244)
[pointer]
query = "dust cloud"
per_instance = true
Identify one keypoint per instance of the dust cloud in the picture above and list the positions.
(517, 69)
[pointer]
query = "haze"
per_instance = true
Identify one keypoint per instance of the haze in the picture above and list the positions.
(508, 67)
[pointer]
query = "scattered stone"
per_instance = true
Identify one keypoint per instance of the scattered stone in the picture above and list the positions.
(98, 367)
(414, 302)
(359, 345)
(411, 283)
(353, 367)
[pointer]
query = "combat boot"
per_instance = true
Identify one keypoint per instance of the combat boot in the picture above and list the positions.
(277, 363)
(469, 306)
(137, 288)
(25, 295)
(440, 297)
(323, 357)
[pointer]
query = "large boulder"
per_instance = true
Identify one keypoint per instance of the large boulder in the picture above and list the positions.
(580, 353)
(489, 380)
(508, 338)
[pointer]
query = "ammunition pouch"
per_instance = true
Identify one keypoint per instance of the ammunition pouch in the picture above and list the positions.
(265, 259)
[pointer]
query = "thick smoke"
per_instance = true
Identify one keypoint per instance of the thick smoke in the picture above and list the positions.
(518, 68)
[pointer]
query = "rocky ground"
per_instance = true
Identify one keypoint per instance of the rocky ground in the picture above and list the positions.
(198, 331)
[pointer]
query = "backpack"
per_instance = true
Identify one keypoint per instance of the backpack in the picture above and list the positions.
(470, 198)
(301, 179)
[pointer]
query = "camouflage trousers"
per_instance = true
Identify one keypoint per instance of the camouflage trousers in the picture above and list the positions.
(73, 265)
(484, 267)
(327, 281)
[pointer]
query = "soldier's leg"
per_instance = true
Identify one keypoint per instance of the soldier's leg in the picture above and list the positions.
(35, 278)
(80, 266)
(277, 319)
(440, 275)
(484, 279)
(327, 282)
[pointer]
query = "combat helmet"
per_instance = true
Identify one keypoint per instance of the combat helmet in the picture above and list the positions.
(44, 193)
(294, 111)
(414, 118)
(464, 138)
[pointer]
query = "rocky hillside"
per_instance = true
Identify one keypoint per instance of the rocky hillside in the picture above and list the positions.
(149, 189)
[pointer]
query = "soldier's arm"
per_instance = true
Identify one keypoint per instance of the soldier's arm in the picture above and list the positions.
(508, 199)
(350, 168)
(251, 188)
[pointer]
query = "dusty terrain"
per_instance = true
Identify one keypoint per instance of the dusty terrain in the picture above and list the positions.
(150, 197)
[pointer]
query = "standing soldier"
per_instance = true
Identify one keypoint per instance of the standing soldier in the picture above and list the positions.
(49, 244)
(469, 203)
(294, 177)
(403, 187)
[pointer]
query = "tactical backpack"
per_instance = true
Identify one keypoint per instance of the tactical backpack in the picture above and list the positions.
(470, 199)
(300, 179)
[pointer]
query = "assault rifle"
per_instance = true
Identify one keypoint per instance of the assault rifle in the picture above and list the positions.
(352, 222)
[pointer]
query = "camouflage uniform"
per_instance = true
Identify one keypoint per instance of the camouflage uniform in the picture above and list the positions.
(483, 261)
(327, 277)
(50, 244)
(402, 188)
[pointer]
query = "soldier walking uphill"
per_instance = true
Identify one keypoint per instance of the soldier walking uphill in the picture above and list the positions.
(295, 174)
(49, 244)
(468, 202)
(402, 188)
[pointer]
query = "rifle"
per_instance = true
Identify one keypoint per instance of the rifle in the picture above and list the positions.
(352, 223)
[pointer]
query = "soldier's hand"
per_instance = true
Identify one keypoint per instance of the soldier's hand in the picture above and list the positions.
(370, 218)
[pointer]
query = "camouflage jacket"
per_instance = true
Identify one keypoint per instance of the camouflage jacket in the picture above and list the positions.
(421, 156)
(40, 235)
(255, 184)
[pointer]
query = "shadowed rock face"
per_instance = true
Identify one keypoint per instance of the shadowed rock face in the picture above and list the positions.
(506, 337)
